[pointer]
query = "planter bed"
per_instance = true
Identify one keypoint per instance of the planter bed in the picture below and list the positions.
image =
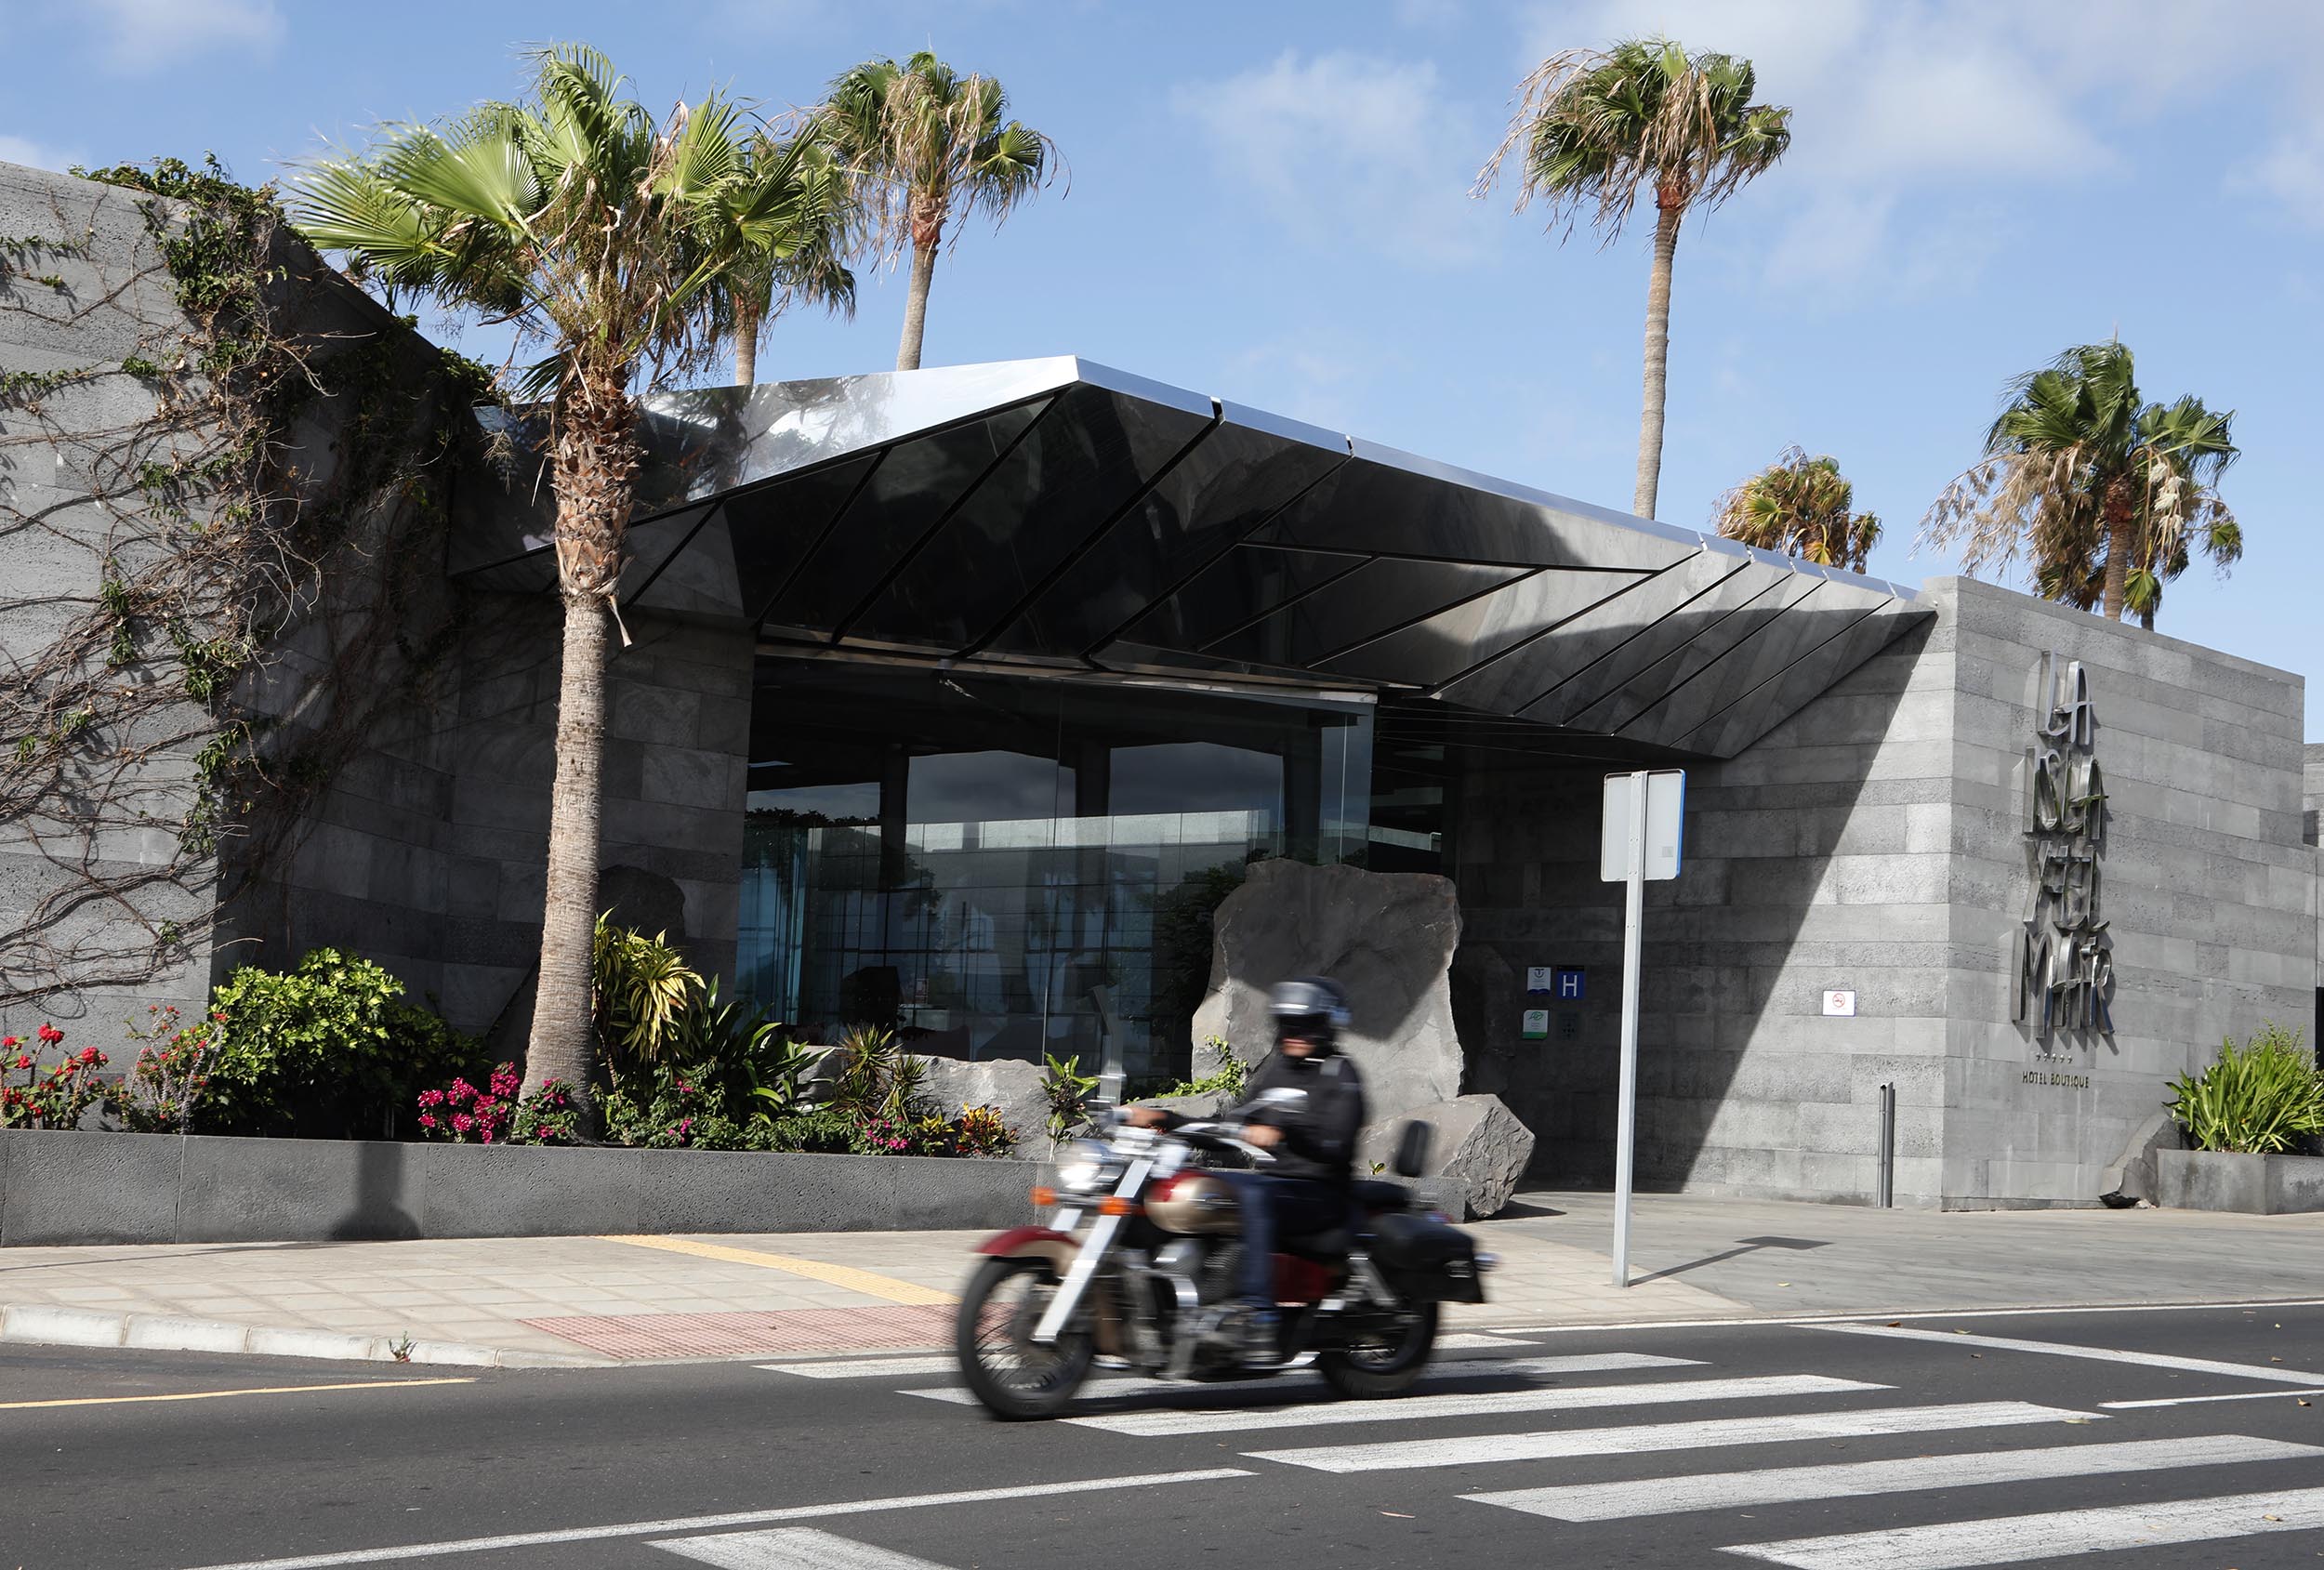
(2253, 1185)
(73, 1187)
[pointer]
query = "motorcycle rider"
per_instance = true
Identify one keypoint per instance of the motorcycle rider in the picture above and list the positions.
(1305, 1105)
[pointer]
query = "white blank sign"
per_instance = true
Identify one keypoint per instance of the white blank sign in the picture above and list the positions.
(1666, 800)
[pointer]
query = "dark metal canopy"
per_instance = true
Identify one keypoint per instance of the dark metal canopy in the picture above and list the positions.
(1058, 515)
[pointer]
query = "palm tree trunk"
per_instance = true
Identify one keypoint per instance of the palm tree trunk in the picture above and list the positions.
(1667, 217)
(916, 307)
(2117, 513)
(745, 344)
(564, 1039)
(595, 466)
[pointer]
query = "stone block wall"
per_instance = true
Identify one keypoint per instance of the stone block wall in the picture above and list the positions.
(427, 850)
(1874, 843)
(75, 311)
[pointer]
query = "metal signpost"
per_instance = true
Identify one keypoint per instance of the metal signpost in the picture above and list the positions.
(1640, 842)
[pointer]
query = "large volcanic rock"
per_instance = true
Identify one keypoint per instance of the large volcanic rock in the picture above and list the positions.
(1012, 1088)
(1386, 937)
(1476, 1159)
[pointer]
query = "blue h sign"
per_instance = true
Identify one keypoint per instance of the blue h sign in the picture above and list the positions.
(1570, 984)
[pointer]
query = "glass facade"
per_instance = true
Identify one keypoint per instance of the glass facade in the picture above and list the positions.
(1005, 867)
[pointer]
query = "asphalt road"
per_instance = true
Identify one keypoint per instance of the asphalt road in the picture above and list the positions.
(1931, 1444)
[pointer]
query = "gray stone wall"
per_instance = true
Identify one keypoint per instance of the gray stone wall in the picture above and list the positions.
(426, 852)
(111, 298)
(1874, 843)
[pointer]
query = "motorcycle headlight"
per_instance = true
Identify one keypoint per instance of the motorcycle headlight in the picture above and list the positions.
(1083, 1166)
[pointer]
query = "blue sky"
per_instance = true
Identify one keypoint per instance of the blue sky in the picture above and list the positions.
(1269, 203)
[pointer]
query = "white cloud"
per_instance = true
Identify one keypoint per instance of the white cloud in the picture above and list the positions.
(37, 156)
(1349, 148)
(137, 37)
(1911, 113)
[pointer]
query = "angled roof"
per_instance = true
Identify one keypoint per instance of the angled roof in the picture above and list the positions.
(1058, 513)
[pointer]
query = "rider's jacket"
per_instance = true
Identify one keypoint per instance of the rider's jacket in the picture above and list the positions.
(1319, 1126)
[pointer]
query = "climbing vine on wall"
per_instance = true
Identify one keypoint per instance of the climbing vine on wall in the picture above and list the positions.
(225, 545)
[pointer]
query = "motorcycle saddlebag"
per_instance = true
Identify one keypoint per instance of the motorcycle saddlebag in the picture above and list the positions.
(1427, 1260)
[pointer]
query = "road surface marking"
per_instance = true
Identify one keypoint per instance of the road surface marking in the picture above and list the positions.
(1467, 1368)
(791, 1548)
(1727, 1490)
(2303, 1392)
(1470, 1340)
(1648, 1438)
(2014, 1539)
(2216, 1306)
(865, 1367)
(2099, 1354)
(864, 1281)
(219, 1394)
(1480, 1404)
(711, 1523)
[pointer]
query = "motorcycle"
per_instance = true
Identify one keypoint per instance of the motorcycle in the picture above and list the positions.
(1136, 1268)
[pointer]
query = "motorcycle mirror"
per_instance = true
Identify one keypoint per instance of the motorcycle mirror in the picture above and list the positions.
(1412, 1146)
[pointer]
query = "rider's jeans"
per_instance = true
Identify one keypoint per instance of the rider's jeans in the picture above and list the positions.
(1276, 1207)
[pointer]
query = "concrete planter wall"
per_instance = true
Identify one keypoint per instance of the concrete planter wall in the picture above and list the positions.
(70, 1187)
(2254, 1185)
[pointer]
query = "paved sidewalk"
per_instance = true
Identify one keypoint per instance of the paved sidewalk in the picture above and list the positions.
(607, 1300)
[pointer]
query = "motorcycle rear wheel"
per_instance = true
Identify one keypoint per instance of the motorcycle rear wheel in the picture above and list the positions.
(992, 1337)
(1369, 1370)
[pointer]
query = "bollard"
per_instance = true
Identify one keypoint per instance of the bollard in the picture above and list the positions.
(1888, 1146)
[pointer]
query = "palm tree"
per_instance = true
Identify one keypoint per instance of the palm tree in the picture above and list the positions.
(1595, 127)
(813, 269)
(2105, 494)
(928, 146)
(1801, 507)
(603, 236)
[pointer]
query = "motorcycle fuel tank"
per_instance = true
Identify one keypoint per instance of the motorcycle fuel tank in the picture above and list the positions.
(1194, 1201)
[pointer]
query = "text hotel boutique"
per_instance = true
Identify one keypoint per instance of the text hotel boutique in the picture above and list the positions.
(1044, 654)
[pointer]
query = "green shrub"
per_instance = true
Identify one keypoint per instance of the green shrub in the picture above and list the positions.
(1066, 1089)
(327, 1051)
(642, 989)
(2261, 1097)
(1225, 1080)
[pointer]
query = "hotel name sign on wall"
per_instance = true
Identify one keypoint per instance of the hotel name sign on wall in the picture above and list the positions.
(2065, 960)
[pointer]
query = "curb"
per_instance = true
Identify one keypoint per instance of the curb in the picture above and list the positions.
(45, 1325)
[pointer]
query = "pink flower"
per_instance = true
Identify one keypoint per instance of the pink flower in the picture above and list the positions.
(428, 1120)
(462, 1122)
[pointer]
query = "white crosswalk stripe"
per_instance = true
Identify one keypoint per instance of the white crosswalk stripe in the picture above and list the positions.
(790, 1548)
(1305, 1382)
(2017, 1540)
(1148, 1408)
(1726, 1490)
(1646, 1438)
(1489, 1403)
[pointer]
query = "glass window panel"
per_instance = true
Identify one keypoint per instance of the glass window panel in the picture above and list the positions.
(1232, 481)
(774, 527)
(1366, 603)
(1088, 457)
(907, 492)
(1248, 582)
(1009, 868)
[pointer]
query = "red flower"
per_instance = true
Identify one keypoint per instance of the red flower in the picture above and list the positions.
(23, 1062)
(50, 1033)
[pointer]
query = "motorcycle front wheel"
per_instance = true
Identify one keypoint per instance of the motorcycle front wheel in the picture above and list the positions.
(1382, 1364)
(993, 1337)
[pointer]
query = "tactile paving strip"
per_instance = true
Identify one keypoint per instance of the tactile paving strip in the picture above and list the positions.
(745, 1333)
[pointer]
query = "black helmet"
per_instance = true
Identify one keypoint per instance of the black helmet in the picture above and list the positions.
(1313, 1001)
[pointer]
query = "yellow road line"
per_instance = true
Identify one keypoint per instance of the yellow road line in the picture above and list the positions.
(864, 1281)
(214, 1394)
